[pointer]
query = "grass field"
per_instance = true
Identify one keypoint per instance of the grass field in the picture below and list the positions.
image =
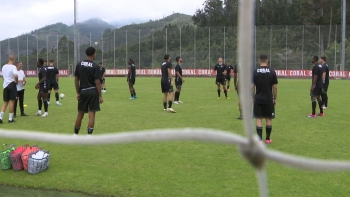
(188, 169)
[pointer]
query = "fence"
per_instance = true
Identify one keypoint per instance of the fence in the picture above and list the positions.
(288, 47)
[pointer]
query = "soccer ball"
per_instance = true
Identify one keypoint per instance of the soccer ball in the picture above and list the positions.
(61, 96)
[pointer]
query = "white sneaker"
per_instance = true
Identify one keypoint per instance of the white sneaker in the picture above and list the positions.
(38, 114)
(176, 102)
(45, 115)
(180, 102)
(171, 110)
(165, 109)
(89, 135)
(48, 103)
(75, 135)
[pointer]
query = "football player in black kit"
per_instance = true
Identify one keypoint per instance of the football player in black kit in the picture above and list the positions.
(167, 84)
(43, 87)
(103, 79)
(229, 69)
(325, 79)
(53, 76)
(316, 88)
(131, 79)
(221, 72)
(88, 87)
(264, 89)
(178, 80)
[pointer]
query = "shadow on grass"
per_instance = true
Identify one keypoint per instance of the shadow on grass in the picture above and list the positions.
(12, 191)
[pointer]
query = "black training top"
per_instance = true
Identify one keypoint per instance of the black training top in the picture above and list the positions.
(326, 69)
(264, 78)
(52, 71)
(229, 69)
(103, 70)
(87, 71)
(43, 74)
(317, 70)
(178, 68)
(165, 74)
(132, 74)
(219, 71)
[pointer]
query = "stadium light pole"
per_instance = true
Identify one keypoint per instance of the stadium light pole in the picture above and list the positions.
(27, 55)
(343, 36)
(75, 32)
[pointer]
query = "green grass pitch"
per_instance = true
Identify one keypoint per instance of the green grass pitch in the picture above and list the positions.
(186, 169)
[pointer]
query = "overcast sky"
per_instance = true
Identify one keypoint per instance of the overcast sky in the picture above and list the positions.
(22, 16)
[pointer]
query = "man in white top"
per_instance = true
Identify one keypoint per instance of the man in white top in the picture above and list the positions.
(20, 89)
(9, 74)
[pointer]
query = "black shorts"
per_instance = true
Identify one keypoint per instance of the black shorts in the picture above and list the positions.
(54, 85)
(317, 92)
(131, 82)
(325, 88)
(228, 78)
(220, 81)
(42, 90)
(103, 80)
(89, 101)
(166, 87)
(264, 110)
(178, 84)
(10, 92)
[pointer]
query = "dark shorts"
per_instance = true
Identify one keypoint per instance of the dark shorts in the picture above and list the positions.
(178, 84)
(220, 81)
(103, 80)
(264, 110)
(89, 101)
(54, 85)
(228, 78)
(166, 87)
(42, 90)
(325, 88)
(10, 92)
(317, 92)
(131, 82)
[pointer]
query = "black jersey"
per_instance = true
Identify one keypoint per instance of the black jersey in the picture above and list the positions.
(52, 71)
(87, 71)
(165, 74)
(326, 70)
(264, 78)
(103, 70)
(132, 72)
(229, 69)
(43, 74)
(219, 71)
(178, 68)
(317, 70)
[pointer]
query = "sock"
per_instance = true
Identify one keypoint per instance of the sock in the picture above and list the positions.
(10, 116)
(326, 102)
(40, 104)
(314, 107)
(176, 96)
(164, 104)
(320, 104)
(46, 105)
(170, 103)
(1, 115)
(268, 132)
(219, 92)
(228, 87)
(76, 130)
(225, 91)
(48, 96)
(57, 97)
(132, 95)
(90, 130)
(259, 131)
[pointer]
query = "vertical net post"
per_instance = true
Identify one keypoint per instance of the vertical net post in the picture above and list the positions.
(126, 48)
(180, 41)
(270, 46)
(114, 49)
(47, 48)
(57, 52)
(302, 49)
(27, 55)
(102, 48)
(209, 49)
(194, 49)
(8, 46)
(224, 45)
(17, 48)
(166, 40)
(286, 47)
(139, 49)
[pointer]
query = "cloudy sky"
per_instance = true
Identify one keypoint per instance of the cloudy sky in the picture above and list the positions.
(21, 16)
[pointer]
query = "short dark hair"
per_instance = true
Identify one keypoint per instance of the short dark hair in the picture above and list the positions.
(315, 58)
(324, 58)
(166, 57)
(90, 51)
(229, 61)
(41, 61)
(263, 58)
(177, 58)
(45, 61)
(51, 61)
(132, 61)
(17, 62)
(100, 63)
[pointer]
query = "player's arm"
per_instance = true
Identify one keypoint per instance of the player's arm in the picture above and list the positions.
(274, 87)
(104, 73)
(129, 73)
(314, 79)
(76, 83)
(15, 73)
(170, 75)
(98, 82)
(324, 74)
(57, 72)
(178, 73)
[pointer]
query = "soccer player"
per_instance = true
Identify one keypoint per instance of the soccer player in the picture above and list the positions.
(88, 87)
(103, 80)
(264, 88)
(229, 69)
(131, 79)
(43, 87)
(221, 71)
(20, 89)
(235, 79)
(45, 63)
(9, 74)
(178, 80)
(167, 84)
(52, 77)
(325, 79)
(316, 87)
